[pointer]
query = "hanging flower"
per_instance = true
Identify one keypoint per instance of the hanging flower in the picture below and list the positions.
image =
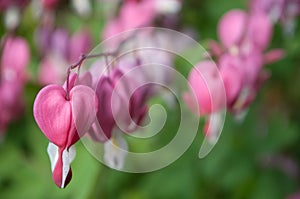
(64, 116)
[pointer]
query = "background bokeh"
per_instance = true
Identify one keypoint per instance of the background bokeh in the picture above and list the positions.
(257, 158)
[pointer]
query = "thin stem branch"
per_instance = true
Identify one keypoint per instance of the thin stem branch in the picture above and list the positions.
(83, 57)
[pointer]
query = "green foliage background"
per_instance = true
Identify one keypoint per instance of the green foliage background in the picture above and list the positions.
(237, 168)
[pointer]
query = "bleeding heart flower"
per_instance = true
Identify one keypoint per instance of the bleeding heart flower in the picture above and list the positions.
(64, 120)
(102, 130)
(120, 108)
(241, 54)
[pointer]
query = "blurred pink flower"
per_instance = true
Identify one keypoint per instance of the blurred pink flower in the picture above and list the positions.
(241, 54)
(60, 50)
(133, 14)
(13, 76)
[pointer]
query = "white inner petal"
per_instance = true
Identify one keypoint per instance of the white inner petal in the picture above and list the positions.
(215, 125)
(12, 18)
(82, 7)
(168, 6)
(115, 151)
(52, 150)
(67, 158)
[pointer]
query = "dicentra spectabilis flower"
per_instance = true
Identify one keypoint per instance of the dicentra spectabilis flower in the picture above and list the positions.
(124, 109)
(242, 50)
(207, 95)
(105, 117)
(13, 76)
(64, 116)
(121, 107)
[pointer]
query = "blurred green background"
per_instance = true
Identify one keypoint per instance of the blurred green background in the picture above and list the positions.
(257, 158)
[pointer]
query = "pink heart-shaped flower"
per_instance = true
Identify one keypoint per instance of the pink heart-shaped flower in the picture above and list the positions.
(64, 121)
(58, 117)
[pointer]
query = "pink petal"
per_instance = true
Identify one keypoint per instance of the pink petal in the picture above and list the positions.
(191, 101)
(15, 47)
(53, 114)
(72, 82)
(207, 84)
(80, 43)
(260, 30)
(97, 134)
(52, 71)
(233, 76)
(274, 56)
(231, 27)
(215, 49)
(84, 102)
(253, 64)
(105, 115)
(137, 14)
(86, 79)
(112, 28)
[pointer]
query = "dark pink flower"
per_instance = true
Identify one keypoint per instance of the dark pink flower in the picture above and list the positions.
(120, 105)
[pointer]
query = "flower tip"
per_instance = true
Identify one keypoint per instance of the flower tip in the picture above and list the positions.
(64, 184)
